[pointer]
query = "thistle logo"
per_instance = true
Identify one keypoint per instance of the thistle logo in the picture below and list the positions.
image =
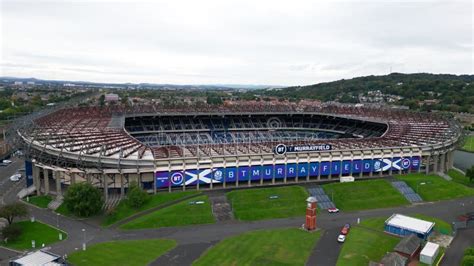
(218, 175)
(177, 178)
(377, 165)
(406, 163)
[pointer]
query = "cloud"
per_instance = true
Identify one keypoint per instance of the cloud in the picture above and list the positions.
(245, 42)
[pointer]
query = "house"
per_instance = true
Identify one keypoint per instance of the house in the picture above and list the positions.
(402, 225)
(409, 247)
(38, 258)
(391, 259)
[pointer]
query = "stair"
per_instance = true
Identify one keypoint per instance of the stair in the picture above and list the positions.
(112, 201)
(53, 205)
(221, 208)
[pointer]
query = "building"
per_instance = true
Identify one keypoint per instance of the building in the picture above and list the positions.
(111, 97)
(409, 247)
(402, 225)
(38, 258)
(393, 259)
(239, 145)
(429, 253)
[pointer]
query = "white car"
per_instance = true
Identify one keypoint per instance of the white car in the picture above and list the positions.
(341, 238)
(333, 210)
(15, 177)
(6, 161)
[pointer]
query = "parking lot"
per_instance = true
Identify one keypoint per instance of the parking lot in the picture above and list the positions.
(8, 189)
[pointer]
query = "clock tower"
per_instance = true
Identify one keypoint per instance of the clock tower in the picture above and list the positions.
(311, 206)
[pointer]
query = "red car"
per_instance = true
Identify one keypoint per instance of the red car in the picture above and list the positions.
(345, 229)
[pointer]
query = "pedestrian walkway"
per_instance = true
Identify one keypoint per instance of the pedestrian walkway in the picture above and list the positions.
(54, 204)
(112, 201)
(221, 208)
(324, 202)
(407, 191)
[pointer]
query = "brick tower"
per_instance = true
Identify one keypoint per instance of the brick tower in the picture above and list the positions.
(311, 213)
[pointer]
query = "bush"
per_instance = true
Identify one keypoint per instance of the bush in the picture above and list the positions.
(83, 199)
(467, 261)
(137, 196)
(11, 232)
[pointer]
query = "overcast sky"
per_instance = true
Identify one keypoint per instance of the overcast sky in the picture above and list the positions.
(233, 42)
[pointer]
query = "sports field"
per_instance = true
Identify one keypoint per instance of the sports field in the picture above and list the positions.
(179, 214)
(434, 188)
(133, 253)
(268, 203)
(123, 210)
(288, 246)
(39, 232)
(367, 194)
(469, 144)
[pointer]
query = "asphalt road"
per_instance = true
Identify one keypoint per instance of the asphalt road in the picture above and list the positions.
(7, 186)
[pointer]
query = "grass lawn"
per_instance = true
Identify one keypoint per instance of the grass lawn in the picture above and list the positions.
(363, 245)
(178, 214)
(361, 195)
(64, 211)
(40, 232)
(435, 187)
(134, 252)
(255, 204)
(288, 246)
(469, 145)
(40, 201)
(123, 210)
(458, 177)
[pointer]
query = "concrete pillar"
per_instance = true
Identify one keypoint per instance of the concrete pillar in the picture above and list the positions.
(427, 164)
(57, 178)
(46, 181)
(106, 187)
(73, 178)
(122, 186)
(36, 179)
(442, 163)
(154, 181)
(436, 163)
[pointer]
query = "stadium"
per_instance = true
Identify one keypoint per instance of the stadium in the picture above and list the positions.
(240, 145)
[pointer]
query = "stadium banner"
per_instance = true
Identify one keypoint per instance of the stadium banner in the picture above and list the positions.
(281, 149)
(280, 171)
(29, 173)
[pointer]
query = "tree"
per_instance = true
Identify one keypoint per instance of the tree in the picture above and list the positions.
(83, 199)
(101, 100)
(11, 211)
(11, 232)
(470, 173)
(136, 196)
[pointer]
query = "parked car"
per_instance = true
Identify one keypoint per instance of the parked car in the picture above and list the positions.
(15, 177)
(345, 229)
(7, 162)
(333, 210)
(341, 238)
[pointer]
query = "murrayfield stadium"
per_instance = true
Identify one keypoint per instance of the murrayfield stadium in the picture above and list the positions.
(229, 146)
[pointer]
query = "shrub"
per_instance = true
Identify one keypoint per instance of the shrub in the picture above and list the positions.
(137, 196)
(83, 199)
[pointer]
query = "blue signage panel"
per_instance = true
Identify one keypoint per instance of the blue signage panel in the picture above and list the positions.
(29, 173)
(279, 171)
(267, 172)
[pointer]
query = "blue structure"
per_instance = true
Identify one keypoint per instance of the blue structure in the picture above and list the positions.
(402, 225)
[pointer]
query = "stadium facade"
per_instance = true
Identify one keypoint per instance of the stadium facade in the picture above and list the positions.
(233, 146)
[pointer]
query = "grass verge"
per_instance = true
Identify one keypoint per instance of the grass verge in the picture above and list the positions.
(39, 232)
(256, 204)
(132, 252)
(460, 178)
(469, 144)
(178, 214)
(362, 195)
(39, 201)
(288, 246)
(123, 210)
(434, 188)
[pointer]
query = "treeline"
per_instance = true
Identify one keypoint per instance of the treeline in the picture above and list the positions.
(454, 93)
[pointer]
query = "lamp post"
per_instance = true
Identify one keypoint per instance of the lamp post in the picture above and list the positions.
(84, 243)
(60, 236)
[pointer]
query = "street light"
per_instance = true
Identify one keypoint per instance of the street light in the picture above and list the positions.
(84, 243)
(57, 226)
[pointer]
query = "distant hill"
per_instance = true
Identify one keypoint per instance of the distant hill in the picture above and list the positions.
(449, 92)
